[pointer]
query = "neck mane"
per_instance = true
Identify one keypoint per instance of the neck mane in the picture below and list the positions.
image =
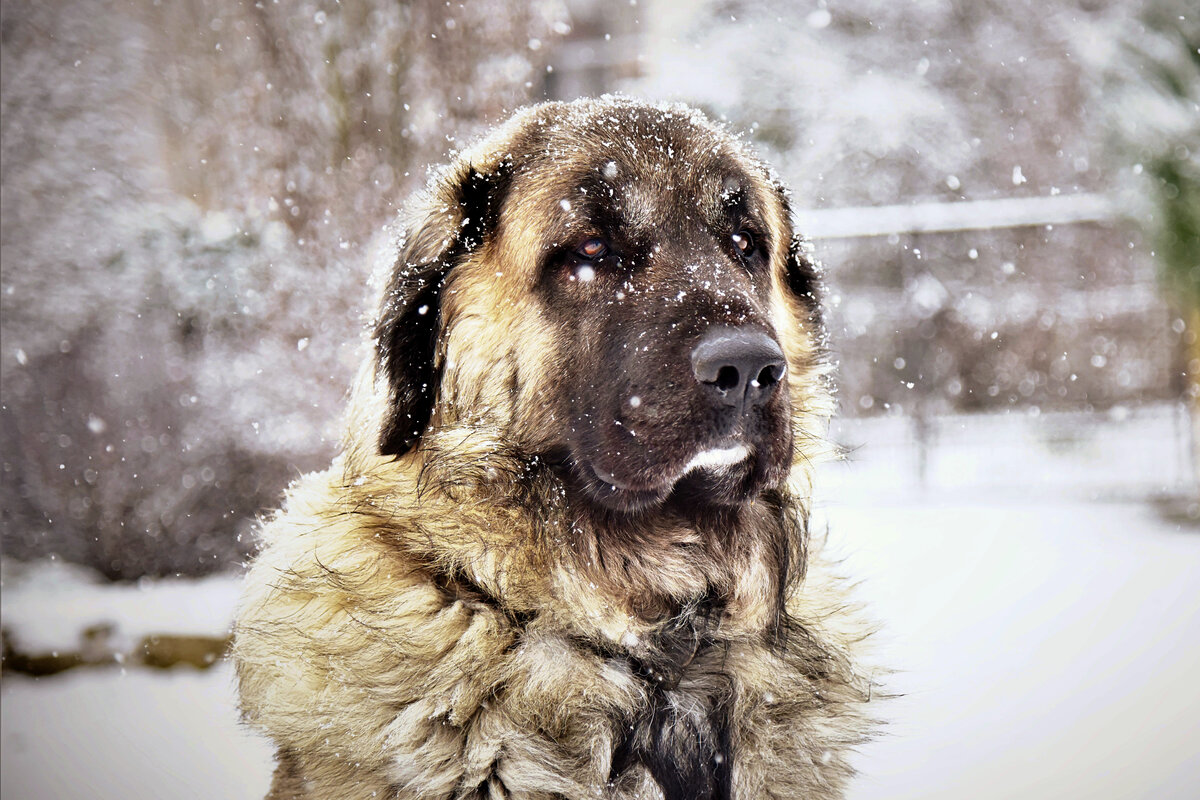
(508, 530)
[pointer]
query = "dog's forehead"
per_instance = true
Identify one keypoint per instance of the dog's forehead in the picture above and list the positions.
(647, 200)
(646, 165)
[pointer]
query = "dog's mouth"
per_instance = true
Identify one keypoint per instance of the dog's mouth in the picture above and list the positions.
(717, 458)
(722, 474)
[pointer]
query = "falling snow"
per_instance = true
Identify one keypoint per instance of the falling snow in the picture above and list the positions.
(193, 195)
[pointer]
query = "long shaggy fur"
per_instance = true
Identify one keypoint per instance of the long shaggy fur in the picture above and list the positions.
(459, 607)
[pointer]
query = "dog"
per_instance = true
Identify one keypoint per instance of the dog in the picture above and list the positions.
(565, 550)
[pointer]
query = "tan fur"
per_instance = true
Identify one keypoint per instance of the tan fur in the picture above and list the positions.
(444, 625)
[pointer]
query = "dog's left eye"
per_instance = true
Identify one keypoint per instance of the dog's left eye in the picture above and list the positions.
(592, 249)
(744, 242)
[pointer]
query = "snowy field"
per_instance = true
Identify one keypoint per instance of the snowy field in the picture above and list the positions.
(1046, 648)
(108, 734)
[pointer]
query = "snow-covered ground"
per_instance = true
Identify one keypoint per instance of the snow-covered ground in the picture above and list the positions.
(47, 604)
(1047, 648)
(109, 734)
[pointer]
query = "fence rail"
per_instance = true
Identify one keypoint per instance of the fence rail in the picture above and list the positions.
(939, 217)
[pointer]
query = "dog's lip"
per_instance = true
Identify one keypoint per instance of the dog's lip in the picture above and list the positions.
(726, 456)
(719, 463)
(607, 477)
(723, 456)
(610, 490)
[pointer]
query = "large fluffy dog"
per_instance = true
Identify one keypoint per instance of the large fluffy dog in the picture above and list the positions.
(564, 552)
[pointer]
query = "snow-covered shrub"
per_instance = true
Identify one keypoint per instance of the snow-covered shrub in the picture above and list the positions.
(189, 194)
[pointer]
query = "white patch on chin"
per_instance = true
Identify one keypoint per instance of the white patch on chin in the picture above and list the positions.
(718, 457)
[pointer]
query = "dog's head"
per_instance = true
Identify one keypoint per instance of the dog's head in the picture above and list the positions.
(616, 287)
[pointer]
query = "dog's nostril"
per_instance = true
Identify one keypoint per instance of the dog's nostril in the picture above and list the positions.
(770, 375)
(727, 378)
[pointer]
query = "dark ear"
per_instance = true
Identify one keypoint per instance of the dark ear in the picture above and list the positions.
(802, 275)
(464, 206)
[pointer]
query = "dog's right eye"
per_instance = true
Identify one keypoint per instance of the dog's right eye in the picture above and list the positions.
(592, 249)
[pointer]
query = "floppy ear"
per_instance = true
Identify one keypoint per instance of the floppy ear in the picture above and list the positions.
(802, 276)
(462, 211)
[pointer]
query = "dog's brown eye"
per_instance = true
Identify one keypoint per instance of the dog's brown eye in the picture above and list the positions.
(592, 249)
(744, 242)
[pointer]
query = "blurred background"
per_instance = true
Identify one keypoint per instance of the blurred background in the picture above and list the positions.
(1005, 195)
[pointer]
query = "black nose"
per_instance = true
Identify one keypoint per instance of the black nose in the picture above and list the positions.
(740, 366)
